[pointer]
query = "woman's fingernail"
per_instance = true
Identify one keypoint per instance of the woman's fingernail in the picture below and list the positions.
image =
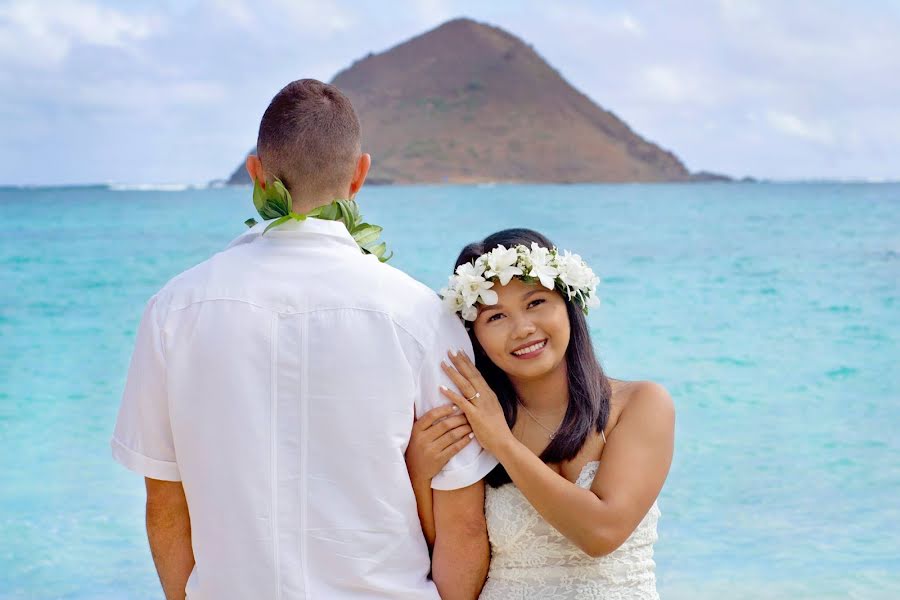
(471, 435)
(455, 407)
(444, 389)
(453, 353)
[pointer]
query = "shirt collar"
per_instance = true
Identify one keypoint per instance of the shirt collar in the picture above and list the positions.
(310, 226)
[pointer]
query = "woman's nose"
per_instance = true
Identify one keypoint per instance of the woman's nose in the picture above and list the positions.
(524, 328)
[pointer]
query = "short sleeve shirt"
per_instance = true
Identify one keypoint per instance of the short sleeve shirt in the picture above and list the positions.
(279, 381)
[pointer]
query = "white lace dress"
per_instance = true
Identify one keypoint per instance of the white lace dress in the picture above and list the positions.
(531, 560)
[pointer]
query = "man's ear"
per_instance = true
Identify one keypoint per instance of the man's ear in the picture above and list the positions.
(359, 177)
(256, 171)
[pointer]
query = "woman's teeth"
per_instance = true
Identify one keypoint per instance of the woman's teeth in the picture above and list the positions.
(531, 348)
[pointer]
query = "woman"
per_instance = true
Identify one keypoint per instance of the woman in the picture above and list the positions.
(571, 508)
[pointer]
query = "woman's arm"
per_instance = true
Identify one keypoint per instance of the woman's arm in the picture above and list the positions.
(436, 438)
(635, 463)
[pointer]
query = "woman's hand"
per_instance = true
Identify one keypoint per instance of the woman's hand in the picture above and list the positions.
(478, 401)
(437, 436)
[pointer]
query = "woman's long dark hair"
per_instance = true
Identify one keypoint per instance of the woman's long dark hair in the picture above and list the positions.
(589, 388)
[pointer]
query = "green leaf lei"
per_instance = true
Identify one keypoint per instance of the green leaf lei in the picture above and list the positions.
(274, 202)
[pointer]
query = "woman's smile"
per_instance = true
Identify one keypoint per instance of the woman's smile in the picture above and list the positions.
(529, 350)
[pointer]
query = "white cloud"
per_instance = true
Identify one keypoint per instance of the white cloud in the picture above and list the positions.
(151, 97)
(794, 126)
(631, 25)
(41, 34)
(741, 11)
(664, 84)
(432, 12)
(320, 19)
(591, 22)
(306, 18)
(235, 11)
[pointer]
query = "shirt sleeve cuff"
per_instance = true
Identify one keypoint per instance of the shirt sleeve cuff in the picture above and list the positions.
(467, 475)
(148, 467)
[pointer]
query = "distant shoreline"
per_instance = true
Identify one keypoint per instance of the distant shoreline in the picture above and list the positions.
(182, 187)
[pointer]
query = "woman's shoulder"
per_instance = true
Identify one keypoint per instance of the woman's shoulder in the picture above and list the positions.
(642, 399)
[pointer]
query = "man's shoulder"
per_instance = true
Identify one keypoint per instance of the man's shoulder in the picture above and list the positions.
(405, 284)
(422, 312)
(410, 302)
(359, 281)
(181, 288)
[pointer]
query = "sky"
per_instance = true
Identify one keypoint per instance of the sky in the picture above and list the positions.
(95, 91)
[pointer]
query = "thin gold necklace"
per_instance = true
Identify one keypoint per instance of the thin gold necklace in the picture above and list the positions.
(550, 432)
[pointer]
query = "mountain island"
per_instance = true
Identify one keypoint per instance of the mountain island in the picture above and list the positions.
(468, 102)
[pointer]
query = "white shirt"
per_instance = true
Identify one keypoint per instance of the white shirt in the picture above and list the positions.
(278, 381)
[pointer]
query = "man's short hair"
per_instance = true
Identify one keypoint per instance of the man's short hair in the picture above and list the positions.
(309, 138)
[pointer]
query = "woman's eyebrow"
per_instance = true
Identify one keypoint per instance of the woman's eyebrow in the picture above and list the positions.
(498, 306)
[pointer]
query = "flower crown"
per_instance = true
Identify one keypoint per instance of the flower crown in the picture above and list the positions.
(565, 272)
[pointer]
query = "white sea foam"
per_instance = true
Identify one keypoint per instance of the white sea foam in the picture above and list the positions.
(154, 187)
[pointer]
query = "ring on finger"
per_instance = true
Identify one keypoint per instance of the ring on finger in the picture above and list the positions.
(477, 395)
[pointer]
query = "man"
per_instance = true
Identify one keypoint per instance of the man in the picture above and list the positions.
(272, 393)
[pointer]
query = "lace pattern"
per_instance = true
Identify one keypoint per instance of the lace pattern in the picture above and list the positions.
(530, 560)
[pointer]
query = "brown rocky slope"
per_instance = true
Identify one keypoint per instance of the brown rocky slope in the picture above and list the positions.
(468, 102)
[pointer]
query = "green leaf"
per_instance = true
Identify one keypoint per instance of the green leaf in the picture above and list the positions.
(250, 222)
(274, 204)
(329, 212)
(259, 196)
(378, 249)
(366, 235)
(277, 222)
(273, 201)
(268, 212)
(280, 197)
(348, 216)
(353, 207)
(379, 253)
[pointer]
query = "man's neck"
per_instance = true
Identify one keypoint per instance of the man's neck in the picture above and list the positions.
(302, 204)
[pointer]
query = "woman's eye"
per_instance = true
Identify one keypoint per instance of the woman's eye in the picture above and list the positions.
(494, 317)
(536, 302)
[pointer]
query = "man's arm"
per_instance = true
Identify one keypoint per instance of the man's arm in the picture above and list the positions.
(461, 556)
(169, 534)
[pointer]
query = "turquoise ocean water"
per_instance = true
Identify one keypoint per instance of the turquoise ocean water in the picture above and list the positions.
(771, 312)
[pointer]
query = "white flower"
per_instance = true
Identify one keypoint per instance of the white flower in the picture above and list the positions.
(524, 256)
(469, 313)
(542, 266)
(474, 289)
(473, 286)
(472, 282)
(485, 294)
(455, 300)
(501, 263)
(452, 297)
(471, 270)
(574, 272)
